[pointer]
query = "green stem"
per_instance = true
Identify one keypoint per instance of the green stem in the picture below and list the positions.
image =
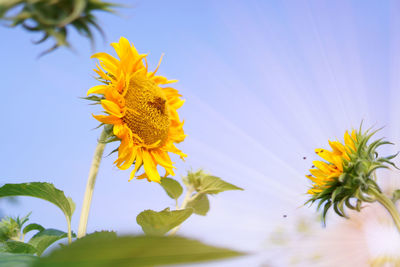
(69, 232)
(188, 197)
(388, 204)
(98, 154)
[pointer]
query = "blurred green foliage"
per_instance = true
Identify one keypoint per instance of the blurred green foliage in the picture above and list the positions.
(54, 18)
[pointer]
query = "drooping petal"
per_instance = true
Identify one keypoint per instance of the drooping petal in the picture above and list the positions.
(150, 167)
(138, 163)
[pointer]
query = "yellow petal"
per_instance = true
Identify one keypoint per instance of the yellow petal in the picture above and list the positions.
(112, 108)
(98, 89)
(151, 74)
(354, 135)
(129, 161)
(106, 57)
(349, 142)
(337, 147)
(138, 163)
(107, 119)
(150, 167)
(322, 166)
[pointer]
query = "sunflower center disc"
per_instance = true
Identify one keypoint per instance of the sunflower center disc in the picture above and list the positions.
(147, 114)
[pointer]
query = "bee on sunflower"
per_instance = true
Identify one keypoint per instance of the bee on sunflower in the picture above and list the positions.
(346, 176)
(143, 115)
(140, 113)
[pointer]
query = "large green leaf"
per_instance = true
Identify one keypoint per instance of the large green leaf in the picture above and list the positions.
(44, 191)
(17, 247)
(209, 184)
(172, 187)
(126, 251)
(16, 260)
(45, 238)
(200, 204)
(159, 223)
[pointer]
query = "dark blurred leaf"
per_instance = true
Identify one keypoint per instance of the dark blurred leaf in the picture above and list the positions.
(102, 251)
(16, 260)
(55, 18)
(12, 246)
(45, 238)
(172, 187)
(159, 223)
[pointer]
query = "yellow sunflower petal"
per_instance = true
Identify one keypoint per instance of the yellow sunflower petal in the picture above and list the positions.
(106, 57)
(107, 119)
(150, 167)
(138, 163)
(349, 141)
(98, 89)
(112, 108)
(129, 160)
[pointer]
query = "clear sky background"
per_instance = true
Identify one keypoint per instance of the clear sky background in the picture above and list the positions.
(265, 83)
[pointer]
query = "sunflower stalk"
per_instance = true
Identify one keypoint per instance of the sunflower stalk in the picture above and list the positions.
(185, 202)
(94, 168)
(388, 204)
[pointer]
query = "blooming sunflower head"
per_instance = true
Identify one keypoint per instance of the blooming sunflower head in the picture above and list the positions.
(141, 112)
(347, 172)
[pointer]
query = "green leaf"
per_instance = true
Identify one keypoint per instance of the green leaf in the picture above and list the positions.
(172, 187)
(45, 238)
(159, 223)
(213, 185)
(396, 195)
(126, 251)
(16, 260)
(200, 204)
(17, 247)
(44, 191)
(32, 227)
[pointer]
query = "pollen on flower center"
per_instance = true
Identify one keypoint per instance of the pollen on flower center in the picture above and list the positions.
(147, 114)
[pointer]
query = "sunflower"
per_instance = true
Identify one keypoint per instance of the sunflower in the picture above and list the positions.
(347, 176)
(143, 114)
(326, 172)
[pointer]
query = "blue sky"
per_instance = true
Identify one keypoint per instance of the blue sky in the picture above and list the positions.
(265, 83)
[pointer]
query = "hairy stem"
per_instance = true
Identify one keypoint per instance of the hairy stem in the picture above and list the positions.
(388, 204)
(188, 197)
(94, 168)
